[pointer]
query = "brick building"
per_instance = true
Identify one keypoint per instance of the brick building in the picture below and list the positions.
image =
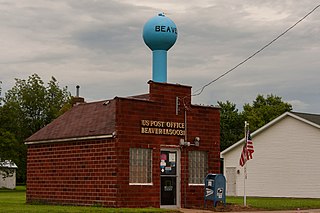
(139, 151)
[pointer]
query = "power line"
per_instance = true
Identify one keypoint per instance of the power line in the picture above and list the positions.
(254, 54)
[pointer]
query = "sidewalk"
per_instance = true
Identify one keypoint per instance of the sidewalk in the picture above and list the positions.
(287, 211)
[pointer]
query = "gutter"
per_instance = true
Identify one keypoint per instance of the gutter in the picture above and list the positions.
(113, 135)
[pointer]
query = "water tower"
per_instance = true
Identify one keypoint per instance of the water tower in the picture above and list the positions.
(159, 33)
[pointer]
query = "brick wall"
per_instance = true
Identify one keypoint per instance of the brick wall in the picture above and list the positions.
(81, 173)
(201, 121)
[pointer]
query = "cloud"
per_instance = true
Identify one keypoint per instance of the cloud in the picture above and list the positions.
(98, 44)
(299, 105)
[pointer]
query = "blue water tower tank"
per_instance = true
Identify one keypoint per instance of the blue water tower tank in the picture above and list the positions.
(159, 33)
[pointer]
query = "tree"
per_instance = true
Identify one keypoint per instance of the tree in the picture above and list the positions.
(9, 148)
(264, 110)
(0, 92)
(27, 107)
(231, 124)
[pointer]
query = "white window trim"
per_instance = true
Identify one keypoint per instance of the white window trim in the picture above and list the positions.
(140, 184)
(196, 184)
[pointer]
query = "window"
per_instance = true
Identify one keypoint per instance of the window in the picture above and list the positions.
(140, 165)
(198, 167)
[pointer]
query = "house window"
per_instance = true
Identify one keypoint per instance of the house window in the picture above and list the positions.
(198, 167)
(140, 166)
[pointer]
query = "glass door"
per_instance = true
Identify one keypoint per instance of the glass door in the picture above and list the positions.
(168, 171)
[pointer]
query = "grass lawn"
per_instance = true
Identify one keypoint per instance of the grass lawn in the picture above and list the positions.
(15, 201)
(277, 203)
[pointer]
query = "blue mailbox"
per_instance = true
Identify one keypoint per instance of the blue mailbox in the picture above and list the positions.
(215, 189)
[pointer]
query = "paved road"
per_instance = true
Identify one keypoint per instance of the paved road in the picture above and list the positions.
(291, 211)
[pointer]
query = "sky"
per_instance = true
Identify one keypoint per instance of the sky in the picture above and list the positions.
(98, 45)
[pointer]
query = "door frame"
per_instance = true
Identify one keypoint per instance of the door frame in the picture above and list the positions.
(178, 179)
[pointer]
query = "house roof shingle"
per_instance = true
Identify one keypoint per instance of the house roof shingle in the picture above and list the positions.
(314, 118)
(82, 120)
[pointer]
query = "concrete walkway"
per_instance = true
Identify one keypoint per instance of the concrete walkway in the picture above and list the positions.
(290, 211)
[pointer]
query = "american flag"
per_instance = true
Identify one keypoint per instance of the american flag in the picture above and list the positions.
(247, 150)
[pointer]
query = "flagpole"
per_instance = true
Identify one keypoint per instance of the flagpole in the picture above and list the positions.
(246, 124)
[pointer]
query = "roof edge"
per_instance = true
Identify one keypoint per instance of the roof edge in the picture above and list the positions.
(113, 135)
(8, 164)
(170, 84)
(256, 132)
(267, 126)
(206, 106)
(304, 120)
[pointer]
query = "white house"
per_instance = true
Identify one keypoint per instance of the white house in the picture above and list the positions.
(8, 182)
(286, 159)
